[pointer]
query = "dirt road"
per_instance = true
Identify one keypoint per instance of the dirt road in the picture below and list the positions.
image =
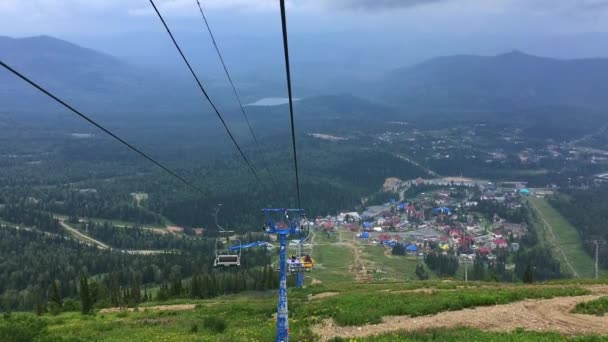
(176, 307)
(358, 267)
(415, 163)
(538, 315)
(82, 237)
(94, 242)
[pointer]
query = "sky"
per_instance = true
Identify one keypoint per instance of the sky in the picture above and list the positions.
(111, 17)
(387, 33)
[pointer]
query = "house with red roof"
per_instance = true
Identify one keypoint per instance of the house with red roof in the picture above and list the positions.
(500, 243)
(328, 225)
(484, 250)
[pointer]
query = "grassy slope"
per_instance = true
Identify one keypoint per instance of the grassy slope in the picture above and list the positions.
(468, 334)
(333, 260)
(567, 238)
(335, 257)
(249, 317)
(391, 267)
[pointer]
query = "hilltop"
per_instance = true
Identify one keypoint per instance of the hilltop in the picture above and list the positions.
(514, 79)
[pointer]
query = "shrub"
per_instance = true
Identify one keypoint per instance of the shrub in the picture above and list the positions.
(214, 324)
(598, 307)
(22, 328)
(122, 314)
(70, 305)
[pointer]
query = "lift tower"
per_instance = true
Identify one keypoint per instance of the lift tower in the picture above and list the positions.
(282, 222)
(597, 243)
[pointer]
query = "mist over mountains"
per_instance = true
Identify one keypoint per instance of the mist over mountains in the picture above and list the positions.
(444, 86)
(514, 78)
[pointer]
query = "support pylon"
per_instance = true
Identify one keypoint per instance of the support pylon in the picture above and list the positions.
(597, 244)
(282, 233)
(282, 311)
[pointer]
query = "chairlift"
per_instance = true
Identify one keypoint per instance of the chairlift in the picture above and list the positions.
(308, 262)
(294, 265)
(225, 257)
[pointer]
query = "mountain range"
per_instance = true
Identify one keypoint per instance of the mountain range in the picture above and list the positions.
(450, 88)
(510, 79)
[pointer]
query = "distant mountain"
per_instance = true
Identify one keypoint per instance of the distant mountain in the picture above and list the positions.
(513, 79)
(59, 63)
(514, 87)
(89, 79)
(71, 71)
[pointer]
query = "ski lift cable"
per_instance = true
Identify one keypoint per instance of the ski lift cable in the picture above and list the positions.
(107, 131)
(236, 94)
(289, 93)
(206, 95)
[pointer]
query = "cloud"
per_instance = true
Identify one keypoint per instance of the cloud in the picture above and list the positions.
(188, 7)
(378, 4)
(20, 17)
(560, 6)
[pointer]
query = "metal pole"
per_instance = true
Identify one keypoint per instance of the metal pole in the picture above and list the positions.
(219, 206)
(597, 248)
(282, 313)
(299, 273)
(466, 271)
(299, 279)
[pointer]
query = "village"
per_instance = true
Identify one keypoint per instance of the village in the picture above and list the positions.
(453, 216)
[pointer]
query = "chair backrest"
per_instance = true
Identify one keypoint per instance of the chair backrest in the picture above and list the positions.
(227, 260)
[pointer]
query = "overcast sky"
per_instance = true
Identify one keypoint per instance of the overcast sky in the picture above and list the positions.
(376, 33)
(108, 17)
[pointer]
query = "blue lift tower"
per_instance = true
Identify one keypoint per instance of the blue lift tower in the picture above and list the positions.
(282, 222)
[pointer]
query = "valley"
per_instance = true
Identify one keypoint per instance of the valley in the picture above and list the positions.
(461, 197)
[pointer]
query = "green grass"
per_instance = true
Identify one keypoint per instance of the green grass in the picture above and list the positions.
(469, 334)
(391, 267)
(359, 308)
(567, 238)
(332, 260)
(249, 317)
(598, 307)
(235, 318)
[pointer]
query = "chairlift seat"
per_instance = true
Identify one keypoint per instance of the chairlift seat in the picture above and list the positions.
(307, 262)
(227, 260)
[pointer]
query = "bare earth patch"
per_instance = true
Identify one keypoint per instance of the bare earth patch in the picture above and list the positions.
(323, 295)
(315, 281)
(177, 307)
(537, 315)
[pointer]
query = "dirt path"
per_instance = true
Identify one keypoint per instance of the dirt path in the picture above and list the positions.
(177, 307)
(82, 237)
(322, 295)
(555, 240)
(388, 253)
(415, 163)
(93, 242)
(358, 267)
(537, 315)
